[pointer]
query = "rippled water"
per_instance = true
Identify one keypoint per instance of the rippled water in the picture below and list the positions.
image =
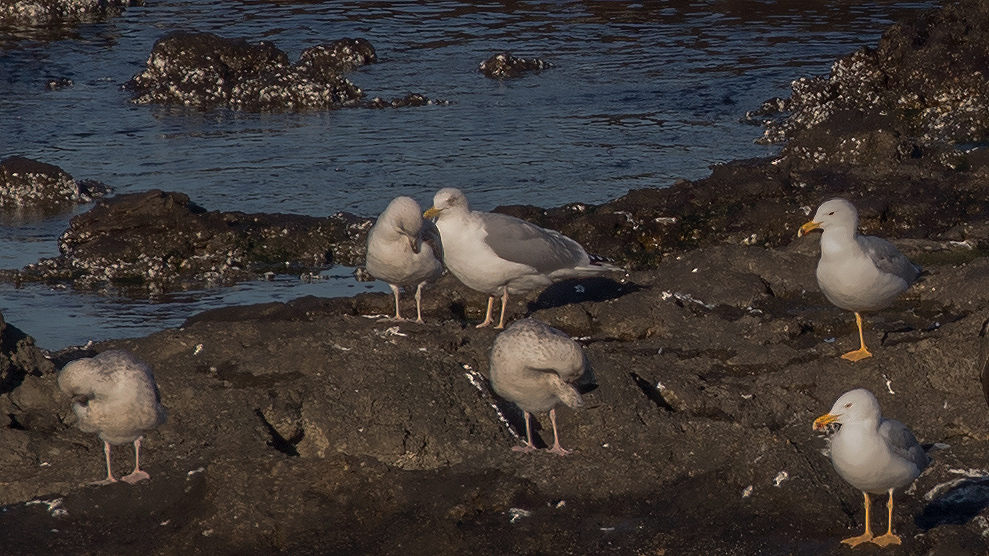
(643, 93)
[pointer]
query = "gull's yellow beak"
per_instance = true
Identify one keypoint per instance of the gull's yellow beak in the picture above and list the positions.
(808, 228)
(825, 420)
(433, 212)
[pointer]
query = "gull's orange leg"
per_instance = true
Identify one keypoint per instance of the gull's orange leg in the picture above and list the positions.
(487, 319)
(861, 352)
(864, 537)
(889, 538)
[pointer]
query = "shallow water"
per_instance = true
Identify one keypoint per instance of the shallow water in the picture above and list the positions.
(642, 94)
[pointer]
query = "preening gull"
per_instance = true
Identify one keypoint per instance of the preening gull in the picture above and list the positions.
(536, 367)
(404, 250)
(114, 395)
(857, 273)
(497, 254)
(873, 454)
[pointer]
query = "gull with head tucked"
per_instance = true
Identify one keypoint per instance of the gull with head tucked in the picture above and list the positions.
(873, 454)
(857, 273)
(114, 395)
(537, 367)
(497, 254)
(404, 250)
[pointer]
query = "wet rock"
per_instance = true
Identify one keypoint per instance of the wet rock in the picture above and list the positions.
(337, 57)
(59, 84)
(19, 358)
(42, 13)
(209, 71)
(28, 402)
(909, 100)
(30, 186)
(504, 65)
(157, 241)
(411, 99)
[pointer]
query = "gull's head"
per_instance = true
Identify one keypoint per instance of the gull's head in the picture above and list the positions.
(854, 405)
(403, 215)
(446, 199)
(836, 213)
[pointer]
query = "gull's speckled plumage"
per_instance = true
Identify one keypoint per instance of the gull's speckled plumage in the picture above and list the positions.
(115, 396)
(537, 368)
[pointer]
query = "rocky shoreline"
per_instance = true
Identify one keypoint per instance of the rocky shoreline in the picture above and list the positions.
(310, 427)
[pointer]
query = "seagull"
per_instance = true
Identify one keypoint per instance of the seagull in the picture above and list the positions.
(114, 395)
(403, 249)
(857, 273)
(497, 254)
(873, 454)
(536, 367)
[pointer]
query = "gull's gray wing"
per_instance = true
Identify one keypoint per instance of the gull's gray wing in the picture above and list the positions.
(903, 443)
(521, 242)
(888, 259)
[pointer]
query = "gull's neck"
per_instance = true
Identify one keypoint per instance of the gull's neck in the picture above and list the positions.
(836, 241)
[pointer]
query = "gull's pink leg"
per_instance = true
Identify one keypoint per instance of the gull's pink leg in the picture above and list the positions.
(528, 437)
(398, 313)
(487, 319)
(504, 301)
(419, 302)
(137, 474)
(556, 449)
(109, 474)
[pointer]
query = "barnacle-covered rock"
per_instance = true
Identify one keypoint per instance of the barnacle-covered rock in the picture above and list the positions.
(209, 71)
(920, 92)
(504, 65)
(29, 185)
(162, 241)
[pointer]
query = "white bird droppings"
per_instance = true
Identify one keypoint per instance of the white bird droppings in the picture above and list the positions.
(517, 514)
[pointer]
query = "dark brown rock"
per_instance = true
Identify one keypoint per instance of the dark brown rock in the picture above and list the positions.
(904, 103)
(29, 186)
(48, 13)
(708, 383)
(503, 65)
(162, 241)
(208, 71)
(340, 56)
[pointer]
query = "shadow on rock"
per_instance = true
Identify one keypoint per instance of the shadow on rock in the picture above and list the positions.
(577, 290)
(957, 505)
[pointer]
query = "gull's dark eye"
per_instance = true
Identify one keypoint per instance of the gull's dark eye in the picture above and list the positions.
(831, 213)
(847, 405)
